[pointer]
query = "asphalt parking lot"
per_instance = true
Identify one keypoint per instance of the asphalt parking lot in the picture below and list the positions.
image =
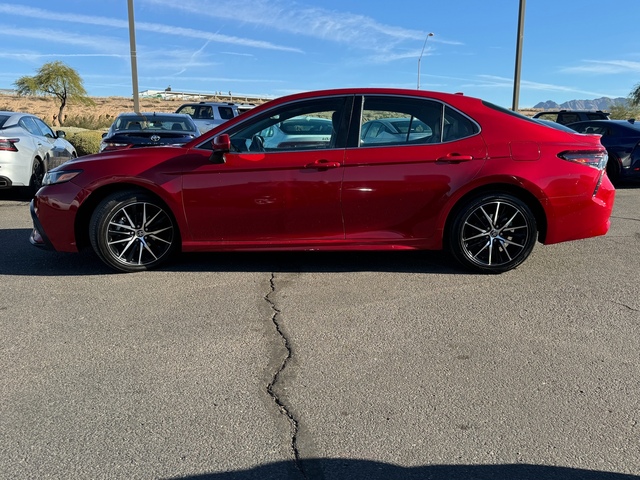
(321, 365)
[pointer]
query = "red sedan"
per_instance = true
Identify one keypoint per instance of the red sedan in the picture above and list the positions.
(460, 173)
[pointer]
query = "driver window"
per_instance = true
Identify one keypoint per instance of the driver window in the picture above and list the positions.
(309, 125)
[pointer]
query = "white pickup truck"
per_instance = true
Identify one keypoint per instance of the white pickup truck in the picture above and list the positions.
(207, 115)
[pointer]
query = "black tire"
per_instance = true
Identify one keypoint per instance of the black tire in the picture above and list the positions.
(613, 169)
(133, 231)
(493, 233)
(37, 175)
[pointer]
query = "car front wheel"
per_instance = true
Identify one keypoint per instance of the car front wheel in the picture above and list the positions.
(493, 233)
(132, 231)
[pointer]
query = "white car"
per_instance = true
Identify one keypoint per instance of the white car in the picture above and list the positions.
(29, 149)
(300, 132)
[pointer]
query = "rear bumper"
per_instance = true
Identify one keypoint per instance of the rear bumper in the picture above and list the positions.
(577, 218)
(5, 182)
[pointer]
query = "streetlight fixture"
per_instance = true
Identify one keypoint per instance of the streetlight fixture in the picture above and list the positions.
(430, 34)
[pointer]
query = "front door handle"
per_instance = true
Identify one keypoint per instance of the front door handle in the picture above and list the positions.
(323, 164)
(454, 158)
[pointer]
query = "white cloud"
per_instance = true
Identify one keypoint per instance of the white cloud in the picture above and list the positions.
(22, 10)
(359, 31)
(607, 67)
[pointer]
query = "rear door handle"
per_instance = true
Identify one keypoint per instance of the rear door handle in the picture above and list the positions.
(454, 158)
(323, 164)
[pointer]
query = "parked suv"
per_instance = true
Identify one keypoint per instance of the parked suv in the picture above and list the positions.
(565, 117)
(207, 115)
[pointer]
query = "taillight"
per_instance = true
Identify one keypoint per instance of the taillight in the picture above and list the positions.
(593, 158)
(9, 144)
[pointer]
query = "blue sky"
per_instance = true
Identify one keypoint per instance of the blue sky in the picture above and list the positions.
(573, 49)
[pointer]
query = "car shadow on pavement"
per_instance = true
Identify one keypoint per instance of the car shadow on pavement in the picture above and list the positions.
(19, 257)
(344, 469)
(325, 262)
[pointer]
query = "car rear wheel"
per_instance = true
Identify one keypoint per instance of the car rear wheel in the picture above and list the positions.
(37, 175)
(132, 231)
(493, 233)
(613, 169)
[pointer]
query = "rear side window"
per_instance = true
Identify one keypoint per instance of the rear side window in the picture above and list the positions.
(30, 125)
(3, 120)
(400, 121)
(457, 126)
(187, 109)
(411, 121)
(226, 113)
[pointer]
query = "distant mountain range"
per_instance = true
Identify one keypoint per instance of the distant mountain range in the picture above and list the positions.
(604, 103)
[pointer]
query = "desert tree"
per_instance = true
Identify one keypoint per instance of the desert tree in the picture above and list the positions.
(57, 80)
(634, 96)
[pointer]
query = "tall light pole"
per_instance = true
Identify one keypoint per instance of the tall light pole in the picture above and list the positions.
(430, 34)
(134, 60)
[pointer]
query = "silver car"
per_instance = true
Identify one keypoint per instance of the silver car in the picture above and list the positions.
(28, 149)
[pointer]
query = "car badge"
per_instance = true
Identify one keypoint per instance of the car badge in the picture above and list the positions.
(155, 138)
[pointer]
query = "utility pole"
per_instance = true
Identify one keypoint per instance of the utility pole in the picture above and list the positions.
(134, 60)
(516, 77)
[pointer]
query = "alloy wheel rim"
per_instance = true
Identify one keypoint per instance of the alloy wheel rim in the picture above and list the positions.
(495, 233)
(139, 234)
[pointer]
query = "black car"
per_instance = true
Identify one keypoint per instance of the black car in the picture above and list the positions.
(621, 138)
(565, 117)
(148, 130)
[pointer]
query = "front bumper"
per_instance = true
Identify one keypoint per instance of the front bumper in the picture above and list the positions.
(38, 238)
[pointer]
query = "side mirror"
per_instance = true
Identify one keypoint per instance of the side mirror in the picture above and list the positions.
(60, 134)
(221, 145)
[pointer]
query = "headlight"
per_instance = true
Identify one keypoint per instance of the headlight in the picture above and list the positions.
(59, 176)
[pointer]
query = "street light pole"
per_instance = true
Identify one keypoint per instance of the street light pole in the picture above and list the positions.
(430, 34)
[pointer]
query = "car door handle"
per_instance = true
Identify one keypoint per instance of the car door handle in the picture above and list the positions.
(454, 158)
(323, 164)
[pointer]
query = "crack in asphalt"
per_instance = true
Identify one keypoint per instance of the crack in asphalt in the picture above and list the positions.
(626, 218)
(628, 307)
(274, 380)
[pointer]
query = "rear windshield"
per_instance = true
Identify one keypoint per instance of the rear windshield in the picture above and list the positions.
(153, 123)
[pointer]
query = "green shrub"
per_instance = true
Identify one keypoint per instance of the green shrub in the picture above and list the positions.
(86, 142)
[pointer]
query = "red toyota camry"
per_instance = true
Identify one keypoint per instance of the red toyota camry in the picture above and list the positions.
(349, 169)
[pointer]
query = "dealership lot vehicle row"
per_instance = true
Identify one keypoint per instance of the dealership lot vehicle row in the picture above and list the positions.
(384, 365)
